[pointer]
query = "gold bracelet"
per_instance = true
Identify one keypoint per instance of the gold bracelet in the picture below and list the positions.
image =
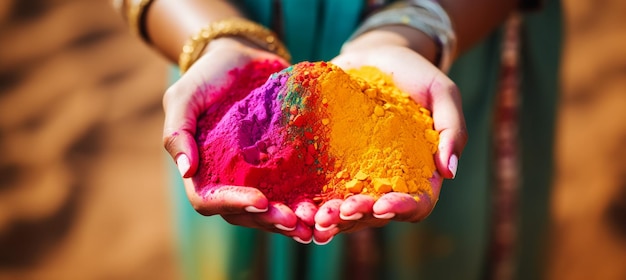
(254, 32)
(135, 17)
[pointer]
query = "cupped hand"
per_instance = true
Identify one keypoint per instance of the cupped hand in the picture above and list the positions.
(364, 211)
(200, 88)
(429, 87)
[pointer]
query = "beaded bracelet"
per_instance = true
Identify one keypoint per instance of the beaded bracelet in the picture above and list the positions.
(251, 31)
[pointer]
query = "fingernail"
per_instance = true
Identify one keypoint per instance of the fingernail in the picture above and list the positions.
(281, 227)
(352, 217)
(321, 228)
(252, 209)
(322, 243)
(182, 161)
(385, 216)
(297, 239)
(453, 163)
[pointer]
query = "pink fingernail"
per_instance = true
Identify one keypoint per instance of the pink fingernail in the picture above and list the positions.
(284, 228)
(352, 217)
(321, 228)
(252, 209)
(297, 239)
(453, 163)
(385, 216)
(182, 161)
(322, 243)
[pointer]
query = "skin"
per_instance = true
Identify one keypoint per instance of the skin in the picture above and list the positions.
(404, 53)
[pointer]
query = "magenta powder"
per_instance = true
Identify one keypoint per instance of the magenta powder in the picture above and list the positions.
(250, 138)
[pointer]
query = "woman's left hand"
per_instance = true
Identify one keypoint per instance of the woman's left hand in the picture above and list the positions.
(429, 87)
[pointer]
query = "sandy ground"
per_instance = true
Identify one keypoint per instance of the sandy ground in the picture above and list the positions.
(83, 182)
(83, 170)
(589, 195)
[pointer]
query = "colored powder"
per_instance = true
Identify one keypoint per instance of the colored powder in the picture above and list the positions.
(217, 138)
(382, 140)
(313, 131)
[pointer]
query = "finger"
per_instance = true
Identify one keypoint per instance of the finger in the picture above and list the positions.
(305, 211)
(324, 237)
(225, 199)
(368, 222)
(278, 218)
(302, 234)
(404, 207)
(436, 182)
(356, 207)
(327, 217)
(425, 202)
(450, 123)
(395, 205)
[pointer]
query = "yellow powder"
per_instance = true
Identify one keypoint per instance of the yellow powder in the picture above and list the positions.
(383, 141)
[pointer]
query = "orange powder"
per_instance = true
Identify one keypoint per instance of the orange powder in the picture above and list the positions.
(380, 138)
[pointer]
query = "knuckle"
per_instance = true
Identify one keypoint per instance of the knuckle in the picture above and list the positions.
(453, 88)
(202, 208)
(169, 142)
(462, 135)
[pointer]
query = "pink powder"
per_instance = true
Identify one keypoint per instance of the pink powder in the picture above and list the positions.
(244, 140)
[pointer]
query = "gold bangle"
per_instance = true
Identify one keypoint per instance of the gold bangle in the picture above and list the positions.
(254, 32)
(135, 16)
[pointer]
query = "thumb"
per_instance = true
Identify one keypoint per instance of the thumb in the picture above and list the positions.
(179, 130)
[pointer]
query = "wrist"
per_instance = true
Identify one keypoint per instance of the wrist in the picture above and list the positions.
(425, 16)
(230, 43)
(395, 35)
(237, 28)
(170, 23)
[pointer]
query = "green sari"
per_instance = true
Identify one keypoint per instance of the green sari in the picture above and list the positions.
(453, 242)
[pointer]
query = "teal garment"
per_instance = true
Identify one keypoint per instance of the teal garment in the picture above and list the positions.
(315, 29)
(542, 37)
(452, 243)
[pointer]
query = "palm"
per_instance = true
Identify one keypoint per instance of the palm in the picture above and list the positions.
(207, 83)
(429, 87)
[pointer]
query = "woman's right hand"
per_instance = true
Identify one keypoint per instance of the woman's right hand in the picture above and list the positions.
(205, 84)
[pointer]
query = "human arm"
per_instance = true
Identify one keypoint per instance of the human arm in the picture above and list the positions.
(471, 21)
(168, 25)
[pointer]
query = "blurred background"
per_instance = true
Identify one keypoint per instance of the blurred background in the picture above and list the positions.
(84, 180)
(83, 184)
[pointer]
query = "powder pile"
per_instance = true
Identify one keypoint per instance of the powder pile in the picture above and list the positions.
(314, 132)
